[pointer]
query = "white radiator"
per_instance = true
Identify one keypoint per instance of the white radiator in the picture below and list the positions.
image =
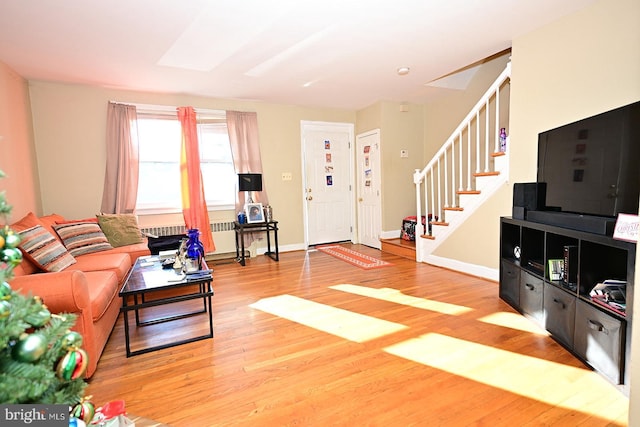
(170, 230)
(223, 234)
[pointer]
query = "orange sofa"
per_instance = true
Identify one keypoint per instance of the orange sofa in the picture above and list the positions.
(88, 287)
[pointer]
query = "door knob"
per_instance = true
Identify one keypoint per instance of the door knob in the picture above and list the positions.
(360, 199)
(310, 198)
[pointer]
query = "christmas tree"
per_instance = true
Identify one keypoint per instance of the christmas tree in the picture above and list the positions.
(41, 360)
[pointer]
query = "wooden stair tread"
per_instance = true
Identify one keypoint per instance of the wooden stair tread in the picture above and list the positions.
(495, 173)
(400, 247)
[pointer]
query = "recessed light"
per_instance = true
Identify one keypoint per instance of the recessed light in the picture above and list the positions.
(403, 71)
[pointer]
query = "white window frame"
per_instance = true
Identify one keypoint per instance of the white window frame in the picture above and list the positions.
(203, 117)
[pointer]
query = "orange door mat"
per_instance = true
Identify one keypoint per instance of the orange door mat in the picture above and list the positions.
(353, 257)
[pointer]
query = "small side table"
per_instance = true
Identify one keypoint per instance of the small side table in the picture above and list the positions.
(268, 227)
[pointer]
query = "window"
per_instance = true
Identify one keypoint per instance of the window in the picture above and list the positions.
(159, 137)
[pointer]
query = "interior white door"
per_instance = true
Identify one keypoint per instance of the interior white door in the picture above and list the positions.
(368, 180)
(328, 182)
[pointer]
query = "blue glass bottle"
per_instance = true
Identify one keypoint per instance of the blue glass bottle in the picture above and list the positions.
(195, 250)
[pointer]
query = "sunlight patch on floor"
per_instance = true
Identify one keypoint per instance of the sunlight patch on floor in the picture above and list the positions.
(513, 321)
(397, 297)
(335, 321)
(527, 376)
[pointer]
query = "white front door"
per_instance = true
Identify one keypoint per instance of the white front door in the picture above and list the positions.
(368, 181)
(327, 160)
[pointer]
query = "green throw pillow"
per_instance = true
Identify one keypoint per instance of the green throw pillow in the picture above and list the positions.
(120, 229)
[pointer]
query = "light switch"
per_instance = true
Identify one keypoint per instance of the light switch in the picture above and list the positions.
(286, 176)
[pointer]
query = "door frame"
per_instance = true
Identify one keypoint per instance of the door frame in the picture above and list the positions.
(333, 126)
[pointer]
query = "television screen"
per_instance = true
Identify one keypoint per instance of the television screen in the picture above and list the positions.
(591, 166)
(249, 182)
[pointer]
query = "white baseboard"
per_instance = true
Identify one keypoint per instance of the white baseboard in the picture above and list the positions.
(282, 248)
(463, 267)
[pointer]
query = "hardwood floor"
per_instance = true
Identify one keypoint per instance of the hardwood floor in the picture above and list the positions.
(315, 341)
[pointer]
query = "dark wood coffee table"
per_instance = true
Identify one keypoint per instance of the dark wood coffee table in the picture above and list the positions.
(148, 277)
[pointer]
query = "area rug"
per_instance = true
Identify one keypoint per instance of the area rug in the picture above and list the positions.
(363, 261)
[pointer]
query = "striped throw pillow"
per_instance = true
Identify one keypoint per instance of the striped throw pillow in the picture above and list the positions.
(42, 248)
(82, 238)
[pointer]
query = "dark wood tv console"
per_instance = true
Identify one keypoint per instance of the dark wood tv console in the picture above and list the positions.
(596, 332)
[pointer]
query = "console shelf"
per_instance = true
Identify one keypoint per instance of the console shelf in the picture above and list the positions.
(596, 331)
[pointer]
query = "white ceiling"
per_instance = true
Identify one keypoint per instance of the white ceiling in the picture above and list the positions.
(329, 53)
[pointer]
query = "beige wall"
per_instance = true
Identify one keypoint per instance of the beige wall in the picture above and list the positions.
(401, 129)
(579, 66)
(369, 118)
(70, 121)
(17, 151)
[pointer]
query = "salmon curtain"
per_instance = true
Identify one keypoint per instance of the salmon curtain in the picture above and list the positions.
(194, 205)
(245, 148)
(121, 172)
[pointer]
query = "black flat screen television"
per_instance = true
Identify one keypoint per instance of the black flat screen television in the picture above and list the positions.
(592, 166)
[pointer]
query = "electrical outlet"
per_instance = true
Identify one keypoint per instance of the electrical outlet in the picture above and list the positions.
(286, 176)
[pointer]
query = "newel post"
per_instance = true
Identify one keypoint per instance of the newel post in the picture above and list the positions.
(417, 179)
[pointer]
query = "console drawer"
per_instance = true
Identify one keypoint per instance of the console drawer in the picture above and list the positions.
(599, 340)
(510, 283)
(531, 301)
(559, 313)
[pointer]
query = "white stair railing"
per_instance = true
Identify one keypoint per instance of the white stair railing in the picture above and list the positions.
(466, 153)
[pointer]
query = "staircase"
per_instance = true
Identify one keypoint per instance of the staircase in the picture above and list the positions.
(468, 168)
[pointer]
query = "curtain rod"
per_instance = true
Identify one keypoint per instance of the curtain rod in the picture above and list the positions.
(166, 108)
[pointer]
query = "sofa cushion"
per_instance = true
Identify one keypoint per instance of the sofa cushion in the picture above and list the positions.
(118, 263)
(120, 229)
(30, 219)
(134, 251)
(82, 237)
(27, 221)
(48, 221)
(103, 288)
(44, 250)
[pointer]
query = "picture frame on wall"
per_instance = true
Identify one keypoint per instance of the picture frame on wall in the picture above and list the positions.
(254, 212)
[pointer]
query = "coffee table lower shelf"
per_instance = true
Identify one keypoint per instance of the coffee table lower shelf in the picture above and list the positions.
(137, 289)
(137, 306)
